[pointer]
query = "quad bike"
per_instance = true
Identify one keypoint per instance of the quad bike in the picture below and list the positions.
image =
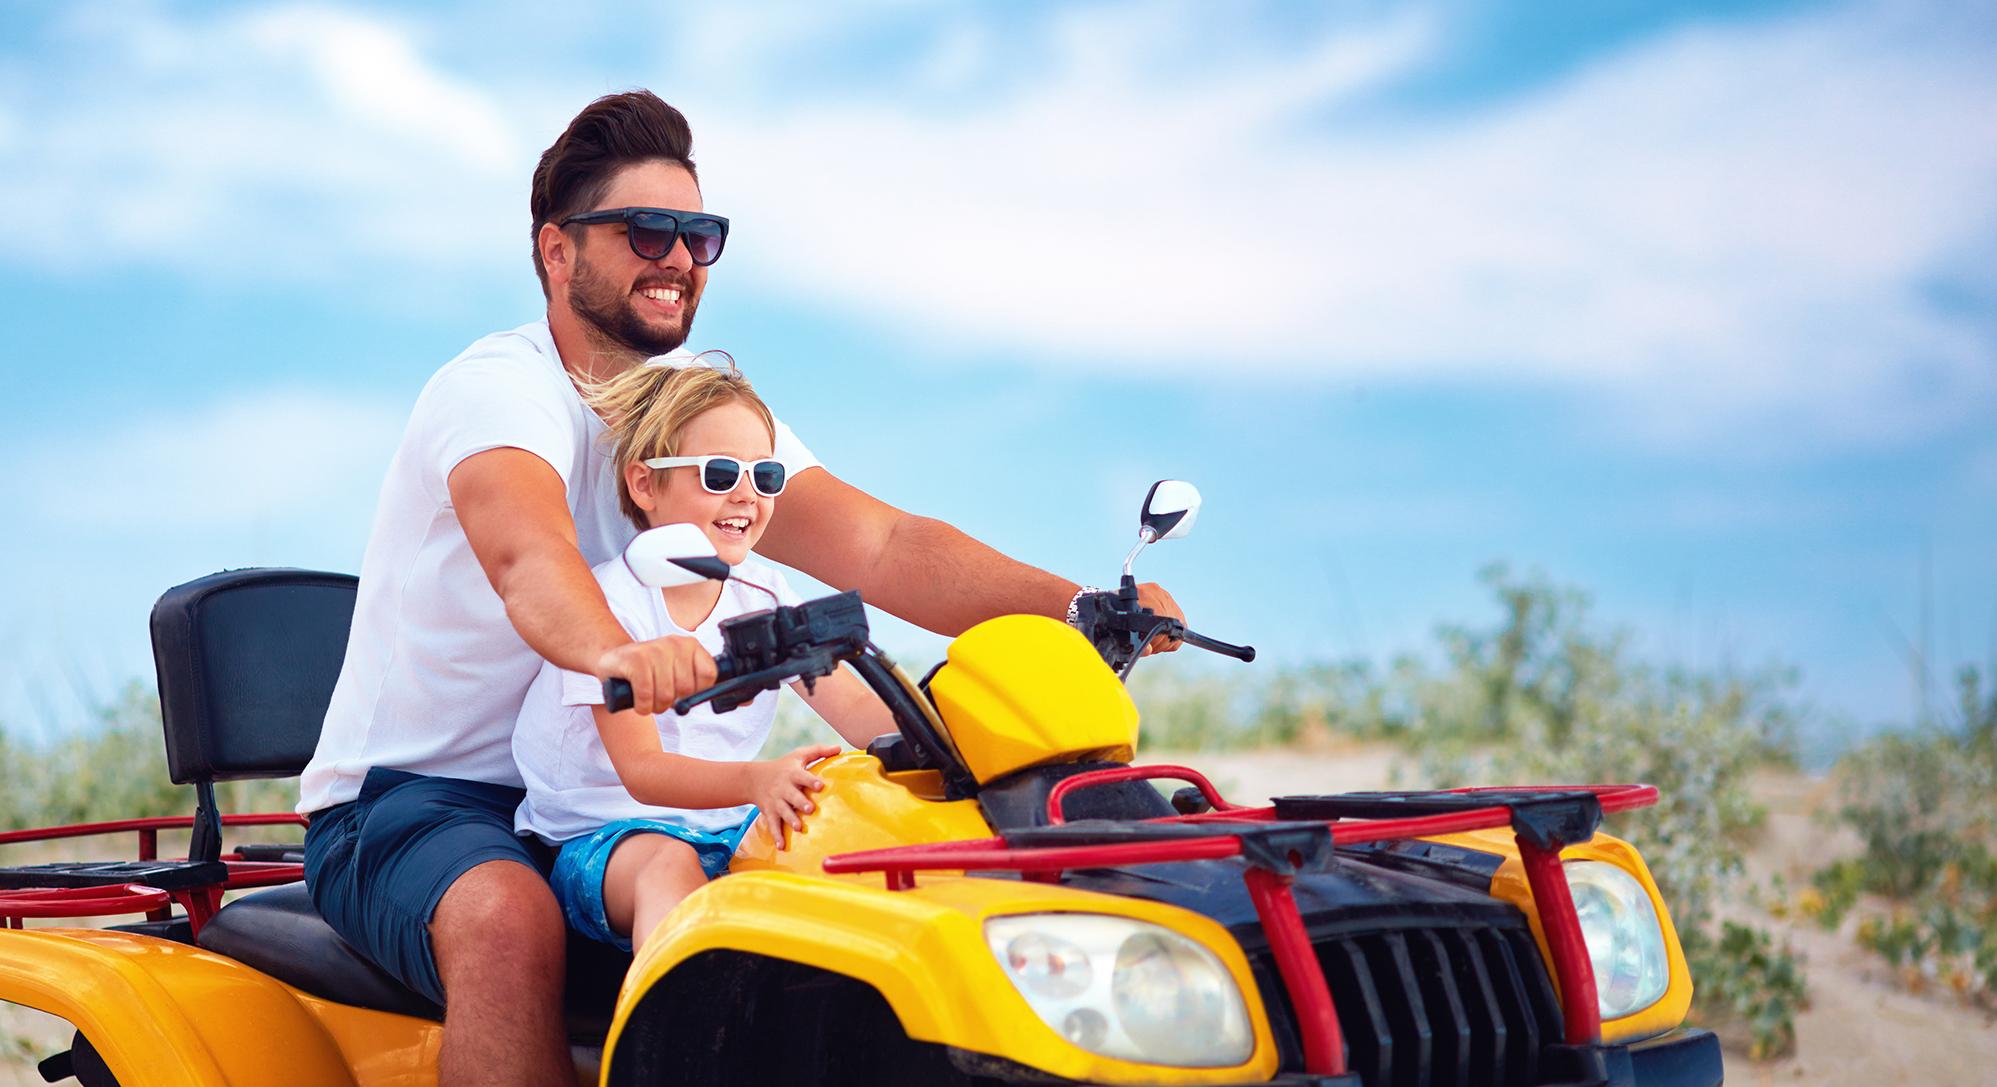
(993, 894)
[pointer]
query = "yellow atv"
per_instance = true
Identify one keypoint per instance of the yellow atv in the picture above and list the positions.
(992, 896)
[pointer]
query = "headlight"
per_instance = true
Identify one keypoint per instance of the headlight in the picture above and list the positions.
(1125, 989)
(1625, 942)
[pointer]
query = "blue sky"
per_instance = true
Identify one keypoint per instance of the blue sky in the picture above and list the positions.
(1691, 305)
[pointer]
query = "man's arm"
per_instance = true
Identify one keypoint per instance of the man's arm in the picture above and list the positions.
(515, 513)
(914, 567)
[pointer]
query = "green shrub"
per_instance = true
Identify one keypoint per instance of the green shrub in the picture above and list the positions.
(1552, 699)
(1921, 803)
(117, 770)
(1752, 980)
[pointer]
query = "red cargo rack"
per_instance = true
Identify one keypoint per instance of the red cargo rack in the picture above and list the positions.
(200, 900)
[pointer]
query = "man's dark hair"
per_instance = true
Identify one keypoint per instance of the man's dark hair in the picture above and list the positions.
(609, 134)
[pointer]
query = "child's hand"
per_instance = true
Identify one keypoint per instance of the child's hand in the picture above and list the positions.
(781, 789)
(659, 670)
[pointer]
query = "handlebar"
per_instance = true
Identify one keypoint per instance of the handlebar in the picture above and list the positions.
(807, 641)
(732, 686)
(762, 649)
(1120, 628)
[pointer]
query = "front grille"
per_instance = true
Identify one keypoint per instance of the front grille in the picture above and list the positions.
(1451, 1007)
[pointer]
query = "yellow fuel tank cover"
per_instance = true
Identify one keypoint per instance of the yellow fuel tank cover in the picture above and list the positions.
(1022, 690)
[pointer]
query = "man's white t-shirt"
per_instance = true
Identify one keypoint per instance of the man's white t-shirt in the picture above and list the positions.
(434, 671)
(572, 788)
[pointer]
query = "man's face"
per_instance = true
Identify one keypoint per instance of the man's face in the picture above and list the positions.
(644, 305)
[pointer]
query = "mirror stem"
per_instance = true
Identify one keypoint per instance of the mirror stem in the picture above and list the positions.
(1144, 537)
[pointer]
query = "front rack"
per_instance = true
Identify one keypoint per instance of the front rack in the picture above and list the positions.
(102, 889)
(1296, 834)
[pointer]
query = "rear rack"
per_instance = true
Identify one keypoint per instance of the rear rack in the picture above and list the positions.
(1296, 834)
(148, 885)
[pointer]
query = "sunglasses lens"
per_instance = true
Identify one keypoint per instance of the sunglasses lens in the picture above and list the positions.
(720, 474)
(703, 240)
(652, 235)
(769, 478)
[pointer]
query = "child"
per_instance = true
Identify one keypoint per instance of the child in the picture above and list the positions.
(647, 809)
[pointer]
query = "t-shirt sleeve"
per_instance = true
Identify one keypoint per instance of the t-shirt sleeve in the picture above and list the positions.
(477, 404)
(631, 613)
(581, 689)
(792, 452)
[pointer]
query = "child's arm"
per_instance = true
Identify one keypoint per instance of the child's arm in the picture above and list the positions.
(844, 700)
(779, 787)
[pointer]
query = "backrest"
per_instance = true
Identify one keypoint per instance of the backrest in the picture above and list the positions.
(246, 661)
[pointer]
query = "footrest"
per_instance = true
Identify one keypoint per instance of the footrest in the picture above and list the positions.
(1284, 847)
(163, 875)
(279, 852)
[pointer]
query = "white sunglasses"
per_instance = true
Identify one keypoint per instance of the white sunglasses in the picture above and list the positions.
(720, 474)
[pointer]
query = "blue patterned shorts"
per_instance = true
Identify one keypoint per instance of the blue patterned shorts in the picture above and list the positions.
(580, 867)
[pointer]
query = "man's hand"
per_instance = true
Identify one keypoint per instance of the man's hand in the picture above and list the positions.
(1153, 596)
(660, 671)
(781, 789)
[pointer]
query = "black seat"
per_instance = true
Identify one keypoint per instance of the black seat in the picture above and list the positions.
(280, 933)
(247, 661)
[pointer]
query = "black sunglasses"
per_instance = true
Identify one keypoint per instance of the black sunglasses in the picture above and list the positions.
(654, 230)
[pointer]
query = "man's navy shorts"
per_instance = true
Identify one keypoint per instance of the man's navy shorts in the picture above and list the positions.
(377, 867)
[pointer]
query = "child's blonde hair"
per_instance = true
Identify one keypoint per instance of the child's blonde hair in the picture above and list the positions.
(647, 407)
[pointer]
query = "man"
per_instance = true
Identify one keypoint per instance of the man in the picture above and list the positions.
(478, 565)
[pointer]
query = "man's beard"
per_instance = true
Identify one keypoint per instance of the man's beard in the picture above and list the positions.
(612, 314)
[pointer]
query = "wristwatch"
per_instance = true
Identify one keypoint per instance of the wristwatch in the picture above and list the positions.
(1074, 605)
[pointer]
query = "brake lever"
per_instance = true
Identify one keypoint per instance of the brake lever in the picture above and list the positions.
(730, 693)
(618, 697)
(1215, 645)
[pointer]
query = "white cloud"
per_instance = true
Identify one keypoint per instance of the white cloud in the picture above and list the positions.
(292, 142)
(1728, 225)
(371, 73)
(1728, 229)
(250, 463)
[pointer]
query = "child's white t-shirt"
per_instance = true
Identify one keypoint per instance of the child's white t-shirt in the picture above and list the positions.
(434, 669)
(572, 788)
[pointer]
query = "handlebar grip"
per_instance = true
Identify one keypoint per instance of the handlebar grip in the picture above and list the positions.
(1225, 649)
(617, 695)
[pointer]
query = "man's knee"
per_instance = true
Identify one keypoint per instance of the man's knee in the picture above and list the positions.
(498, 904)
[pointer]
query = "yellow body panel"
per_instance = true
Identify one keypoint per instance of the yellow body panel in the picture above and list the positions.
(163, 1014)
(381, 1049)
(1510, 885)
(924, 951)
(863, 808)
(1022, 690)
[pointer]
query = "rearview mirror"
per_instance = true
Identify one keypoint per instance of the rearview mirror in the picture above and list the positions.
(1170, 509)
(672, 555)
